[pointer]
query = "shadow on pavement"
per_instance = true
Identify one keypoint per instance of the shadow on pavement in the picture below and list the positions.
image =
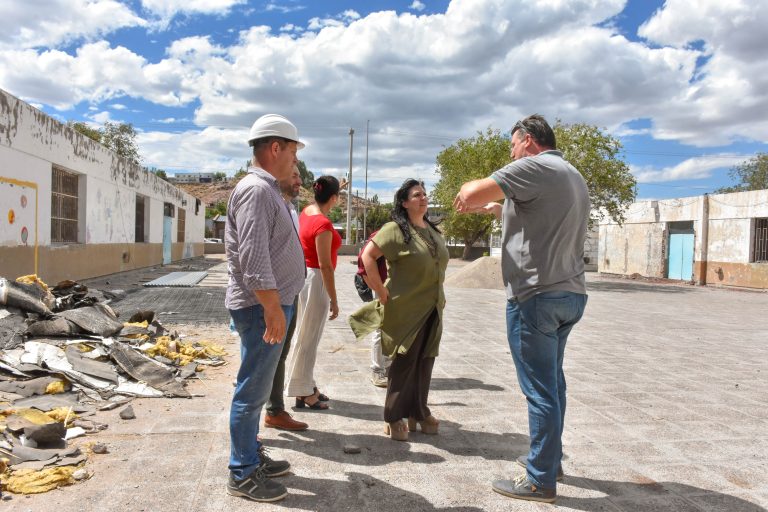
(633, 491)
(353, 410)
(446, 384)
(630, 287)
(377, 448)
(490, 446)
(358, 492)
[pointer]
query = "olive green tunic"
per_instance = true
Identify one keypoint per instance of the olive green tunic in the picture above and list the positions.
(415, 284)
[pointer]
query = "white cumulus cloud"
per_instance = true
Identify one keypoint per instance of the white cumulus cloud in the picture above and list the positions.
(51, 23)
(700, 167)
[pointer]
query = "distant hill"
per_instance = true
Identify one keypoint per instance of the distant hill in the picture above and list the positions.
(209, 193)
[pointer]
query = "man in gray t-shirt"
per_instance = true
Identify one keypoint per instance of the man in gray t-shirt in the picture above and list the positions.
(544, 224)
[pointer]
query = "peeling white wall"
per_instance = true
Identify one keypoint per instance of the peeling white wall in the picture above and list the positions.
(639, 245)
(31, 143)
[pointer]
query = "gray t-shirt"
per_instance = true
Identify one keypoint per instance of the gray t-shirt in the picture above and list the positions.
(544, 224)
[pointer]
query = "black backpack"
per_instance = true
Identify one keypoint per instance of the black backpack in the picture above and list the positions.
(365, 293)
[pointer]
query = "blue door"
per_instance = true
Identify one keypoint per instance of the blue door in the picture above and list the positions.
(680, 256)
(167, 233)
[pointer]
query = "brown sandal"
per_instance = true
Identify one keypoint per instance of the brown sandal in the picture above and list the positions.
(429, 425)
(396, 431)
(301, 402)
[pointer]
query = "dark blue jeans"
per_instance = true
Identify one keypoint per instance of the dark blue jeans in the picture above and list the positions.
(537, 331)
(258, 360)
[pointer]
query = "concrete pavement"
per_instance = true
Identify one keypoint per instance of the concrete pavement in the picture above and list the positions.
(668, 396)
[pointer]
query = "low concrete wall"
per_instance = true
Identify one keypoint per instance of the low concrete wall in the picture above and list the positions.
(83, 261)
(210, 248)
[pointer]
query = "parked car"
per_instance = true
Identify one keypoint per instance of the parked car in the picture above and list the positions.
(213, 240)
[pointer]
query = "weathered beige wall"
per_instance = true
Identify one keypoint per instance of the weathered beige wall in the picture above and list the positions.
(632, 249)
(729, 240)
(83, 261)
(639, 246)
(745, 275)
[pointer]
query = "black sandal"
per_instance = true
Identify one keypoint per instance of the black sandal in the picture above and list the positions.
(320, 396)
(318, 406)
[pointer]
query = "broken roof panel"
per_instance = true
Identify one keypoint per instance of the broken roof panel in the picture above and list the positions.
(177, 279)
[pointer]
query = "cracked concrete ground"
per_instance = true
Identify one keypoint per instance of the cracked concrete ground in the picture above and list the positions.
(667, 411)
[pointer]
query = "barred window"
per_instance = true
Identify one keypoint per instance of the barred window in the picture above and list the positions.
(180, 225)
(139, 224)
(760, 251)
(64, 206)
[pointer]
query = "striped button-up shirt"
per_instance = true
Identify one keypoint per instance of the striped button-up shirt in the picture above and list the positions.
(263, 248)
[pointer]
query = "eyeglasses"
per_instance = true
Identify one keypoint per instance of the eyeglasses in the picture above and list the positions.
(519, 126)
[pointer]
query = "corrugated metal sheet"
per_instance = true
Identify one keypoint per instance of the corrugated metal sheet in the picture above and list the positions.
(179, 279)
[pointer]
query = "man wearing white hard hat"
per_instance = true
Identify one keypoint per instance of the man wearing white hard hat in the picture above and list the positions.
(266, 272)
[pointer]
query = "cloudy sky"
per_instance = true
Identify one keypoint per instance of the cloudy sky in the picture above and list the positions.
(682, 83)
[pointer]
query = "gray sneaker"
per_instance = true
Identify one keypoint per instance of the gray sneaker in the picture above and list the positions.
(523, 461)
(523, 489)
(257, 487)
(271, 467)
(379, 378)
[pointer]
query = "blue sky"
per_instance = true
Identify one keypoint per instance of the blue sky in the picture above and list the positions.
(682, 83)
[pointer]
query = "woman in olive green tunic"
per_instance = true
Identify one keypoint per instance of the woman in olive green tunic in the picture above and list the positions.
(409, 307)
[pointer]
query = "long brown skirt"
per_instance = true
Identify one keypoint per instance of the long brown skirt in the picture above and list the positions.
(409, 378)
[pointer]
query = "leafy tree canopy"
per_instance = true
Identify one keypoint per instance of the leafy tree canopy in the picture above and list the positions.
(336, 214)
(376, 216)
(219, 176)
(595, 154)
(119, 137)
(307, 178)
(158, 172)
(751, 174)
(468, 159)
(219, 208)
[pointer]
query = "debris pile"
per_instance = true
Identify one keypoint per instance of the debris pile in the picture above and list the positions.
(64, 354)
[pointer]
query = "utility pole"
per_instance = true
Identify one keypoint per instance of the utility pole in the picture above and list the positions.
(349, 188)
(365, 196)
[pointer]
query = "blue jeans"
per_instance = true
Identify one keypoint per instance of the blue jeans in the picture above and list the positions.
(537, 330)
(258, 360)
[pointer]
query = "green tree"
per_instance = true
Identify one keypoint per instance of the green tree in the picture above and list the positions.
(307, 178)
(597, 157)
(219, 208)
(242, 171)
(377, 216)
(751, 174)
(119, 137)
(595, 154)
(219, 176)
(91, 133)
(158, 172)
(466, 160)
(336, 214)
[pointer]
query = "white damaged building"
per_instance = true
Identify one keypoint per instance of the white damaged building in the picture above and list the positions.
(71, 209)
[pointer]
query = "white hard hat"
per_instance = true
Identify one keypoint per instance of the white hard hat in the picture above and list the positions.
(274, 125)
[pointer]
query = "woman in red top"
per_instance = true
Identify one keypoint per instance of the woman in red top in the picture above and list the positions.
(318, 297)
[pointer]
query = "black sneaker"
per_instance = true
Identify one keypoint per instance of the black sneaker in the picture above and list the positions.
(270, 467)
(521, 488)
(256, 487)
(523, 461)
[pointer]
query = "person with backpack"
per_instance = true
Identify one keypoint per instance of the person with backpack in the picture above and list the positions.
(379, 362)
